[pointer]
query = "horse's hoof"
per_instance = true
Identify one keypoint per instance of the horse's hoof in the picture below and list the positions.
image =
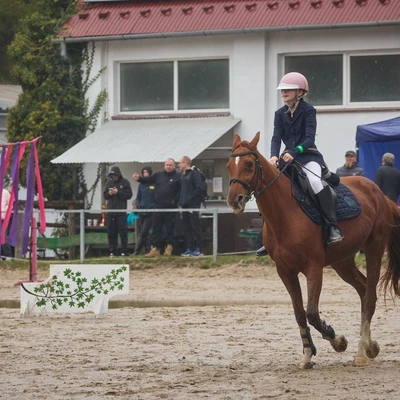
(307, 365)
(360, 361)
(339, 344)
(373, 349)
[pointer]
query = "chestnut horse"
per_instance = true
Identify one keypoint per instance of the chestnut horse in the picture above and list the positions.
(295, 243)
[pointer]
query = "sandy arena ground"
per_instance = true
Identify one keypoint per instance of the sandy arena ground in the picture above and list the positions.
(236, 338)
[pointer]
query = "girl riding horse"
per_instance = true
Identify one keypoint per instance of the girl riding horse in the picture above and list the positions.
(294, 242)
(295, 125)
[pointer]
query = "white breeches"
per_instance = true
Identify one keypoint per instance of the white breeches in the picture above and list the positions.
(313, 171)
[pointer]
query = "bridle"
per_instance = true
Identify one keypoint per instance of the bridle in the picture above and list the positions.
(257, 177)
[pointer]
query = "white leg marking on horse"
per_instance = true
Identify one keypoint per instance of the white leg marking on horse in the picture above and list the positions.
(237, 159)
(361, 358)
(339, 344)
(307, 352)
(306, 361)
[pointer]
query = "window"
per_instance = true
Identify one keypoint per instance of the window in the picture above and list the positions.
(147, 86)
(375, 78)
(324, 74)
(343, 79)
(174, 85)
(203, 84)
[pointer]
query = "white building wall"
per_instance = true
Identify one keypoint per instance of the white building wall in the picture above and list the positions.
(336, 130)
(256, 62)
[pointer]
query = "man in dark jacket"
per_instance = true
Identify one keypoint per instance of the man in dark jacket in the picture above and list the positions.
(351, 167)
(166, 195)
(387, 177)
(117, 193)
(191, 193)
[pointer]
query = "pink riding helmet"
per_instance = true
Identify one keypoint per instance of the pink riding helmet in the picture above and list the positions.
(293, 80)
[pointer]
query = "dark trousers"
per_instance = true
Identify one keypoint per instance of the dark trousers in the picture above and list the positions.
(163, 228)
(146, 222)
(191, 225)
(116, 224)
(6, 249)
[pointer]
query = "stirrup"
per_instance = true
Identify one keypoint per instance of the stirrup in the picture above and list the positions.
(262, 251)
(335, 235)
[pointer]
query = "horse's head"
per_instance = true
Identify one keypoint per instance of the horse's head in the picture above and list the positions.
(243, 168)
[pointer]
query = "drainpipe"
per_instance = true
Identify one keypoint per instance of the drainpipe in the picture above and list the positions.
(63, 51)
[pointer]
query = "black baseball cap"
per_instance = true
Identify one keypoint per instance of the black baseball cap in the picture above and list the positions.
(351, 153)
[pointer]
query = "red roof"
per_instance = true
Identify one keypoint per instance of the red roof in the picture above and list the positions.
(199, 17)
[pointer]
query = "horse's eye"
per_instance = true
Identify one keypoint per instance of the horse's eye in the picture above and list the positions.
(249, 164)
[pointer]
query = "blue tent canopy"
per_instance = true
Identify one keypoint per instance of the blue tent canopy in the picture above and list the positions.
(376, 139)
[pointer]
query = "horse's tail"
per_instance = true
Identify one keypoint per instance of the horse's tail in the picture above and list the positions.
(390, 279)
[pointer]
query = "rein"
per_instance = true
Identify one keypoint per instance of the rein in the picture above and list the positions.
(257, 177)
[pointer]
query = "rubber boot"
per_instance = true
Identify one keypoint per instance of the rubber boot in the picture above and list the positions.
(147, 246)
(139, 247)
(328, 209)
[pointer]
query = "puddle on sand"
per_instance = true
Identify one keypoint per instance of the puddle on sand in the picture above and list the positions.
(9, 303)
(163, 303)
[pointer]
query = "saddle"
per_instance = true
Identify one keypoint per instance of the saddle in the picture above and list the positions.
(347, 204)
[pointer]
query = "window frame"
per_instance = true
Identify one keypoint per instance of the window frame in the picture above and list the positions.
(175, 109)
(346, 103)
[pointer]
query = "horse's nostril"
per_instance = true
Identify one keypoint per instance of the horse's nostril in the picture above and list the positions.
(240, 199)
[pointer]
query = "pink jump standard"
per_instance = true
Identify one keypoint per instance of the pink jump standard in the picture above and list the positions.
(294, 242)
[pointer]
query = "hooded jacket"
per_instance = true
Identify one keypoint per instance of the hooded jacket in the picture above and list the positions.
(145, 193)
(191, 188)
(118, 201)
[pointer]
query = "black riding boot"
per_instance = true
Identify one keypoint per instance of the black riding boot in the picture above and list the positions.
(328, 209)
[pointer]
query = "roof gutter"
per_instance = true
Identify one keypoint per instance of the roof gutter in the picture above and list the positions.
(226, 31)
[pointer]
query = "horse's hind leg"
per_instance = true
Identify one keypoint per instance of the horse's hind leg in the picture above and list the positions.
(367, 347)
(292, 285)
(366, 289)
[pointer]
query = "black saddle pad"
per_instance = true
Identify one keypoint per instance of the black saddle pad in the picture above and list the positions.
(347, 205)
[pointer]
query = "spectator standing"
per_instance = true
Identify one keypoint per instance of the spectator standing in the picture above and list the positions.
(387, 177)
(144, 200)
(166, 196)
(117, 193)
(190, 197)
(350, 167)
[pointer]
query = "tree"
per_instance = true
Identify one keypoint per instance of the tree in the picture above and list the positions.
(11, 13)
(53, 103)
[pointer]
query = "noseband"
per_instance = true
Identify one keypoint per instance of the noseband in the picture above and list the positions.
(257, 177)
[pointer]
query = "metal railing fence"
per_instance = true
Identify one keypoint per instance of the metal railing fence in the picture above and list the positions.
(53, 223)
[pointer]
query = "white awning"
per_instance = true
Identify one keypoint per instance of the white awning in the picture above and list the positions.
(148, 140)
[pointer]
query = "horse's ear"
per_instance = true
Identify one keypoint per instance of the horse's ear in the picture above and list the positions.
(236, 140)
(255, 140)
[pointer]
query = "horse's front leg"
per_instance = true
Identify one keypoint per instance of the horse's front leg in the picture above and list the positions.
(314, 286)
(292, 284)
